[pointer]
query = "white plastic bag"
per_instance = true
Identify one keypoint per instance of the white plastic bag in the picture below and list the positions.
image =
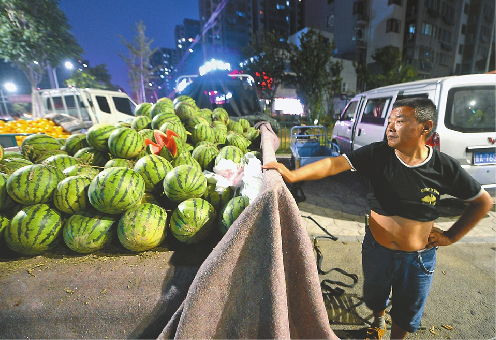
(252, 177)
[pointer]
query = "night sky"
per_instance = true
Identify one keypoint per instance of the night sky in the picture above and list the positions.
(97, 25)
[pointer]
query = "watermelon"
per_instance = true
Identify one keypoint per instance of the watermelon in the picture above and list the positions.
(6, 202)
(207, 114)
(91, 156)
(71, 194)
(36, 146)
(153, 169)
(120, 162)
(81, 169)
(217, 199)
(9, 165)
(191, 123)
(183, 182)
(220, 136)
(147, 133)
(88, 231)
(1, 152)
(143, 109)
(115, 190)
(148, 197)
(33, 184)
(205, 155)
(74, 143)
(238, 140)
(160, 107)
(61, 162)
(220, 114)
(186, 159)
(12, 154)
(183, 99)
(98, 135)
(192, 221)
(141, 122)
(245, 124)
(166, 100)
(4, 223)
(234, 126)
(203, 133)
(125, 143)
(126, 124)
(49, 154)
(34, 230)
(143, 227)
(230, 152)
(185, 111)
(231, 211)
(177, 127)
(161, 118)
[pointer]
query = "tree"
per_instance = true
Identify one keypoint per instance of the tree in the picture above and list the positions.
(390, 69)
(96, 77)
(316, 76)
(266, 57)
(140, 70)
(35, 35)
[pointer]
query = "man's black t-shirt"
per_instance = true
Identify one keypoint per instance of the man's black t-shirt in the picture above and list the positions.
(411, 191)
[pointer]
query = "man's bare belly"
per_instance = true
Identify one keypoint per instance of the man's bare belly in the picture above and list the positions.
(399, 233)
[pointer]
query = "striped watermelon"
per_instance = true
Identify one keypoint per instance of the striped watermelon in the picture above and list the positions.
(238, 140)
(34, 230)
(88, 231)
(177, 127)
(234, 126)
(1, 152)
(183, 182)
(218, 124)
(205, 155)
(71, 194)
(183, 99)
(161, 118)
(12, 154)
(120, 162)
(207, 114)
(36, 146)
(192, 221)
(9, 165)
(166, 100)
(126, 124)
(203, 133)
(230, 152)
(160, 108)
(143, 227)
(34, 184)
(147, 133)
(148, 197)
(231, 211)
(245, 124)
(115, 190)
(6, 202)
(185, 111)
(191, 123)
(217, 199)
(91, 156)
(141, 122)
(153, 169)
(125, 143)
(61, 162)
(220, 114)
(98, 135)
(81, 169)
(49, 154)
(143, 109)
(74, 143)
(220, 136)
(186, 159)
(4, 223)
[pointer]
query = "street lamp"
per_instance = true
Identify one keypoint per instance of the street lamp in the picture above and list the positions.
(68, 65)
(10, 87)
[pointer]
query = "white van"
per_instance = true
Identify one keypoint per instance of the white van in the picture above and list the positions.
(90, 106)
(465, 127)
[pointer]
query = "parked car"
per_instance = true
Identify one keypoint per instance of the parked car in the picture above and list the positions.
(465, 127)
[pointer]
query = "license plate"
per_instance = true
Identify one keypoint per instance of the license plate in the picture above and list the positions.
(485, 158)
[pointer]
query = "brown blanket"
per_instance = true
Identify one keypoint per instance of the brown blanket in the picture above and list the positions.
(261, 280)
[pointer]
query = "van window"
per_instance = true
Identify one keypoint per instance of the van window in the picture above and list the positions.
(124, 105)
(471, 109)
(375, 111)
(103, 104)
(349, 112)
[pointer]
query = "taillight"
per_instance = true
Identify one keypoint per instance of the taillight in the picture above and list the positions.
(434, 141)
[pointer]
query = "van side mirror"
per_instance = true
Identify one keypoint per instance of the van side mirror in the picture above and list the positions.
(337, 116)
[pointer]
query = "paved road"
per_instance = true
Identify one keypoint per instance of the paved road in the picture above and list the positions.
(463, 291)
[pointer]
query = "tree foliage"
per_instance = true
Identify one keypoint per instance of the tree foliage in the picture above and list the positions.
(390, 70)
(138, 62)
(96, 77)
(265, 60)
(34, 35)
(317, 78)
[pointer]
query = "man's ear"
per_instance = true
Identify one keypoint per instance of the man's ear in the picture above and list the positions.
(427, 126)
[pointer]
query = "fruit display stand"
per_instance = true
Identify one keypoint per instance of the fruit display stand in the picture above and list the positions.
(258, 281)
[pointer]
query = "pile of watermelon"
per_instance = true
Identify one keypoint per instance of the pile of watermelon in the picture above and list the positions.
(136, 181)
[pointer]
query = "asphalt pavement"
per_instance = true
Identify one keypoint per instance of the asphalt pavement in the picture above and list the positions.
(462, 301)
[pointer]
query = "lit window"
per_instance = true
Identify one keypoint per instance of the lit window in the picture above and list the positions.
(393, 25)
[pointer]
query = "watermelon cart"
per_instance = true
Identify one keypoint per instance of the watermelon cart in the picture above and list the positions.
(258, 280)
(310, 144)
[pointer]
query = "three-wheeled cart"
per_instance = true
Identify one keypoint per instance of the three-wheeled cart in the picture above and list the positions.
(310, 144)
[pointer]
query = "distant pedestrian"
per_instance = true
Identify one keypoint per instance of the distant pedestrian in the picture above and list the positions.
(407, 177)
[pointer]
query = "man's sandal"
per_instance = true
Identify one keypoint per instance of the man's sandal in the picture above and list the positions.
(374, 333)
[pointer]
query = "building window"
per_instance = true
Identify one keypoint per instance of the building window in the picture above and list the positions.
(464, 29)
(443, 59)
(393, 25)
(330, 20)
(466, 8)
(460, 49)
(358, 8)
(395, 2)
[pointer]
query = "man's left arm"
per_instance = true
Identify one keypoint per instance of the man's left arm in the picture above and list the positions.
(476, 210)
